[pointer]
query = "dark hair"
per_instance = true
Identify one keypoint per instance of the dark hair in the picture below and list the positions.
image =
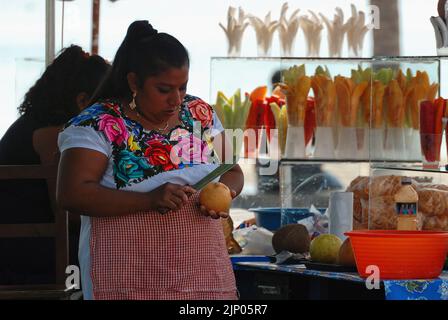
(276, 77)
(145, 52)
(52, 99)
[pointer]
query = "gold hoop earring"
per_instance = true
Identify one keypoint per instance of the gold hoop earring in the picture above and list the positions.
(132, 104)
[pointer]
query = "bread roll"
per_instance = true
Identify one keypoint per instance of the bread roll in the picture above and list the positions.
(433, 202)
(384, 186)
(382, 212)
(436, 223)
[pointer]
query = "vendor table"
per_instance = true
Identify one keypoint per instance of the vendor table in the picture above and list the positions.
(265, 280)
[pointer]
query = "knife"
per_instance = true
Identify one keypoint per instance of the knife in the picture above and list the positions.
(223, 168)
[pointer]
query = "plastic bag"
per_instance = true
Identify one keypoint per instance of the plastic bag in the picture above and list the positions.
(317, 223)
(254, 240)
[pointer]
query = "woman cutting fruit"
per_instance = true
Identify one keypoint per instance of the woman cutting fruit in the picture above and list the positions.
(144, 234)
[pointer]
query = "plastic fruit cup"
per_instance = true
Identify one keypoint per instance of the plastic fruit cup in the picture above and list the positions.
(430, 145)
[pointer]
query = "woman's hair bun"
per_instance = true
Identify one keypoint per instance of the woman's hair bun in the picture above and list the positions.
(139, 30)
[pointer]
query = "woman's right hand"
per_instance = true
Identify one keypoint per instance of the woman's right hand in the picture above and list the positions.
(170, 196)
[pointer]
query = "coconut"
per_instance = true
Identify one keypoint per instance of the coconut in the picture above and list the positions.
(291, 237)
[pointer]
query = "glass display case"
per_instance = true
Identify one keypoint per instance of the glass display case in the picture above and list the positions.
(354, 125)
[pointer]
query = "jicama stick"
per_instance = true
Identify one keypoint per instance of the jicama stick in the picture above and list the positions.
(312, 28)
(336, 32)
(264, 31)
(356, 31)
(287, 30)
(234, 30)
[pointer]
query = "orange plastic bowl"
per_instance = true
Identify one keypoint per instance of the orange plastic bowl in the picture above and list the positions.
(400, 254)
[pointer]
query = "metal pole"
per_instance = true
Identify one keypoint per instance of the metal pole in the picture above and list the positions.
(386, 40)
(95, 25)
(49, 31)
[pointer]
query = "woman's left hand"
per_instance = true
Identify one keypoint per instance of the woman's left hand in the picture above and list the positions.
(216, 215)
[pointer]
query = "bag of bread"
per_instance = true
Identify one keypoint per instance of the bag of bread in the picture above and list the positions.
(436, 223)
(381, 189)
(431, 186)
(384, 186)
(376, 188)
(433, 203)
(380, 212)
(358, 186)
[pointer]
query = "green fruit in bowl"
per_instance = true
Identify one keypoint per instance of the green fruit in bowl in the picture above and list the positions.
(325, 248)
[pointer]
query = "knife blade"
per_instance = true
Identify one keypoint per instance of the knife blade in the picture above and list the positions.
(223, 168)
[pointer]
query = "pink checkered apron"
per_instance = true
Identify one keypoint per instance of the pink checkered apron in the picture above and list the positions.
(179, 255)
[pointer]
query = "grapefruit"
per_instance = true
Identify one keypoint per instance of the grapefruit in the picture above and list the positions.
(216, 196)
(325, 248)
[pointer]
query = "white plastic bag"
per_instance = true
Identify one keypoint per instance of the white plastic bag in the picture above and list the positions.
(254, 241)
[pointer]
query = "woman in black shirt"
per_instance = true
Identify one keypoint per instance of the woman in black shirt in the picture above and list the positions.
(63, 90)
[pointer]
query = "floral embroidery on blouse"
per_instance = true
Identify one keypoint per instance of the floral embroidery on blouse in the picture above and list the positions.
(139, 154)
